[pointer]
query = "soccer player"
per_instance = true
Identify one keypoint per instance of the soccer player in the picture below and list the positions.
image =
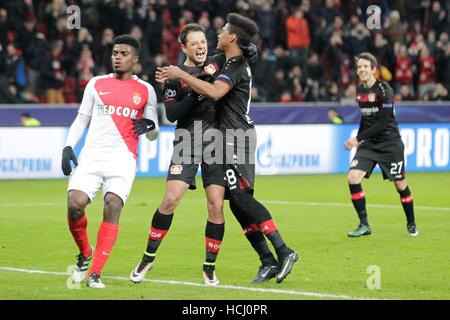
(231, 90)
(378, 142)
(118, 108)
(189, 109)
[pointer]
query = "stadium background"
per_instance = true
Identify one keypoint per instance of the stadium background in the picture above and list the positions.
(306, 68)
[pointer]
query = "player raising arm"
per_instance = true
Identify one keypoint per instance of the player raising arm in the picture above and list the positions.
(118, 108)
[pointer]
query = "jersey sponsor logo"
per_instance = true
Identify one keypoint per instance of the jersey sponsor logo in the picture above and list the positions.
(371, 97)
(107, 110)
(169, 93)
(137, 98)
(369, 111)
(210, 69)
(176, 169)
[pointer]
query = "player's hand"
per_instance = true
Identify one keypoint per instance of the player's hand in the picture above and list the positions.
(351, 143)
(160, 75)
(67, 156)
(170, 72)
(143, 125)
(250, 52)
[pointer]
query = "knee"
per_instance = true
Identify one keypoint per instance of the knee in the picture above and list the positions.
(215, 207)
(113, 204)
(75, 209)
(353, 178)
(400, 185)
(170, 203)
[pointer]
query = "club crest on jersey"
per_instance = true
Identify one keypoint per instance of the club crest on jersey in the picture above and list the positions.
(210, 68)
(371, 97)
(176, 169)
(136, 98)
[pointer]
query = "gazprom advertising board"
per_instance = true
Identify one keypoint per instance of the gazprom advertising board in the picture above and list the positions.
(281, 149)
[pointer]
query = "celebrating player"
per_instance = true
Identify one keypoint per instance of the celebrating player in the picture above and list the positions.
(378, 142)
(189, 109)
(231, 90)
(118, 108)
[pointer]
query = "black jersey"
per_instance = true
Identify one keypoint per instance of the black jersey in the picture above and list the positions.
(234, 107)
(377, 110)
(204, 109)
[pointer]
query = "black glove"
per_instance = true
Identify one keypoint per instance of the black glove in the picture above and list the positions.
(250, 52)
(143, 125)
(68, 155)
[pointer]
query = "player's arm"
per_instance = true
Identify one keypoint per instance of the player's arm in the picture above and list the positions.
(387, 103)
(177, 101)
(214, 91)
(148, 124)
(77, 129)
(176, 110)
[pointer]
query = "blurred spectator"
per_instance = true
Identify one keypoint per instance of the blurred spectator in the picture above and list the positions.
(443, 59)
(359, 40)
(298, 36)
(153, 30)
(427, 72)
(437, 18)
(395, 30)
(144, 54)
(28, 121)
(334, 117)
(438, 94)
(103, 49)
(266, 17)
(335, 52)
(52, 75)
(318, 37)
(347, 74)
(285, 97)
(329, 12)
(278, 86)
(314, 73)
(349, 96)
(404, 93)
(403, 69)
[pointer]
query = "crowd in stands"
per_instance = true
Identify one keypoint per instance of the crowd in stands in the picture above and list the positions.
(306, 48)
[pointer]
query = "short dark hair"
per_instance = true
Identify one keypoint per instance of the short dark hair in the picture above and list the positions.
(127, 39)
(191, 27)
(26, 115)
(369, 57)
(243, 27)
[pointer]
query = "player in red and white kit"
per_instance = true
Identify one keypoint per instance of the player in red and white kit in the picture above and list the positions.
(118, 108)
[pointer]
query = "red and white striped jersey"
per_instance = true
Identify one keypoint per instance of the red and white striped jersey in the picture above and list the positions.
(112, 104)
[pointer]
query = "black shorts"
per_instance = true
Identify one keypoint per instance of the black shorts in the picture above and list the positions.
(388, 154)
(211, 174)
(239, 168)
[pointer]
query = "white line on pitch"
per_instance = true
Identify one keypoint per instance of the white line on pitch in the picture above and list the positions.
(193, 284)
(281, 202)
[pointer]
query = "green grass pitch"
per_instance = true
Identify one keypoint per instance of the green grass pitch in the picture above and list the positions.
(313, 213)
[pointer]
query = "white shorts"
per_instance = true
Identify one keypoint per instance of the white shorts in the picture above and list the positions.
(114, 175)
